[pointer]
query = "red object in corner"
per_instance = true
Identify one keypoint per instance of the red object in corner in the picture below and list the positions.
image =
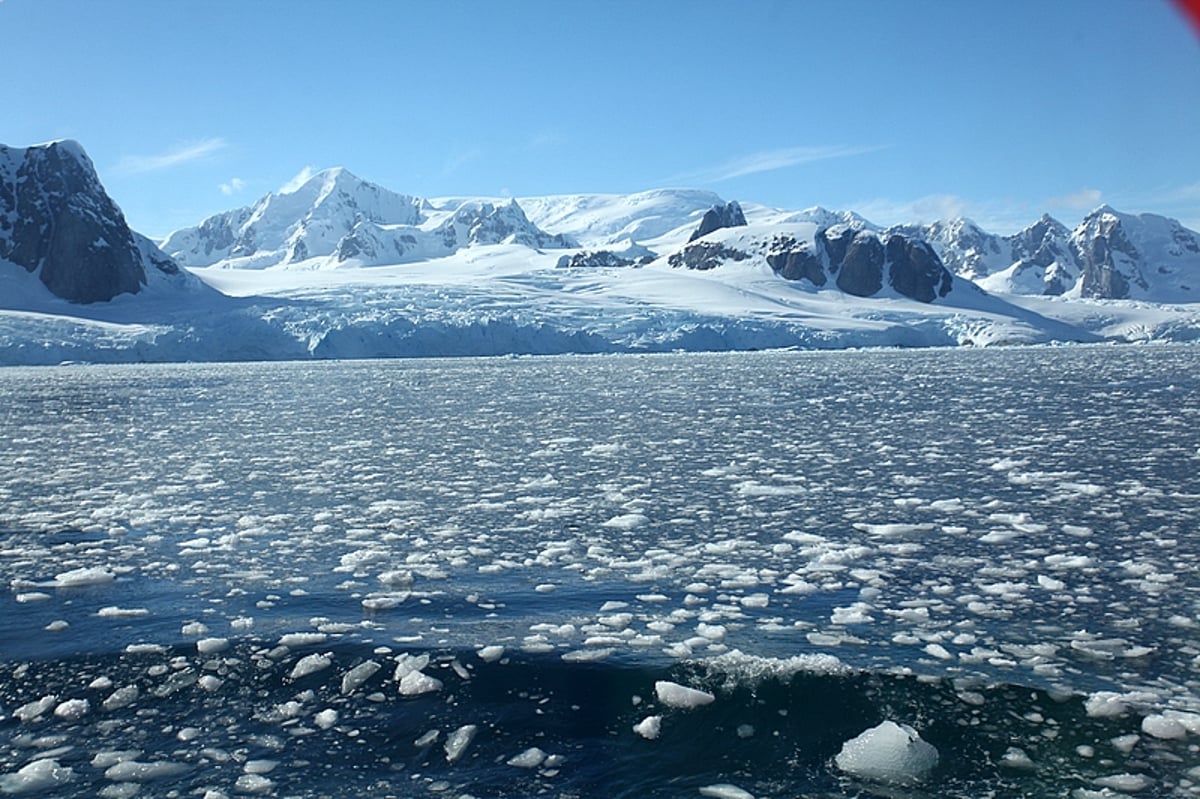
(1191, 9)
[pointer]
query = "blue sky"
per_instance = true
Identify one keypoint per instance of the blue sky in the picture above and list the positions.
(904, 111)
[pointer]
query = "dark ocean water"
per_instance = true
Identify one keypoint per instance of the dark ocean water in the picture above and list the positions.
(477, 577)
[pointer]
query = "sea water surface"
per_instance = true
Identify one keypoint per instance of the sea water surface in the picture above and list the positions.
(604, 576)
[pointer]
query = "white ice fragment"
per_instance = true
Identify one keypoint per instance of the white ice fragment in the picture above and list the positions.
(1164, 727)
(673, 694)
(32, 710)
(890, 753)
(397, 578)
(490, 654)
(530, 758)
(415, 683)
(326, 718)
(194, 628)
(209, 646)
(1124, 782)
(626, 521)
(138, 771)
(94, 575)
(259, 766)
(253, 783)
(428, 738)
(210, 682)
(122, 697)
(114, 612)
(310, 664)
(649, 727)
(56, 626)
(358, 675)
(458, 741)
(1017, 758)
(36, 777)
(31, 596)
(938, 651)
(1106, 704)
(302, 639)
(72, 709)
(1125, 743)
(724, 790)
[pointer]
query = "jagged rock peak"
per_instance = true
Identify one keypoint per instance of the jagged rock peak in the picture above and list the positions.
(58, 222)
(720, 216)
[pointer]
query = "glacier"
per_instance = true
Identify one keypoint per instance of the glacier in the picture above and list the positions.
(338, 267)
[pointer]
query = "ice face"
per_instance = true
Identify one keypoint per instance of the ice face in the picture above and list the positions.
(890, 753)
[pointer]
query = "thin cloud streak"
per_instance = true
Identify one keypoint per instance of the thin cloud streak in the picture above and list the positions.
(772, 160)
(179, 154)
(298, 180)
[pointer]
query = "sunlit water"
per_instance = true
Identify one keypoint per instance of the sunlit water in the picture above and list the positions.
(466, 577)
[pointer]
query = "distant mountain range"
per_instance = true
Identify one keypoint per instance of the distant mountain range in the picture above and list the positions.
(340, 267)
(338, 220)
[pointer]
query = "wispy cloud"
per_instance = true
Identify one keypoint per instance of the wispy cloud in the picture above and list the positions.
(180, 154)
(1082, 200)
(298, 180)
(232, 187)
(460, 159)
(771, 160)
(994, 216)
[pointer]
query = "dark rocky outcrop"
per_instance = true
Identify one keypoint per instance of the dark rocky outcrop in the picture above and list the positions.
(796, 260)
(861, 271)
(57, 221)
(601, 259)
(915, 270)
(858, 261)
(718, 217)
(705, 255)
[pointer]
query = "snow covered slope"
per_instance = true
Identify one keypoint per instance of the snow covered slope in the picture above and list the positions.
(62, 236)
(337, 220)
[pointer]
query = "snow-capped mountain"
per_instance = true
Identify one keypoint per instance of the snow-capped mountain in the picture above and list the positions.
(335, 219)
(59, 225)
(1110, 255)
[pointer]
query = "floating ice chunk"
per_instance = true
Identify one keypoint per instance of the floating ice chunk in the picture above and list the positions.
(326, 718)
(122, 697)
(302, 639)
(260, 766)
(415, 683)
(490, 654)
(114, 612)
(138, 771)
(1125, 782)
(253, 783)
(626, 521)
(210, 682)
(649, 727)
(94, 575)
(724, 790)
(458, 741)
(1106, 704)
(32, 710)
(36, 777)
(145, 649)
(428, 738)
(530, 758)
(397, 578)
(194, 628)
(358, 675)
(209, 646)
(938, 651)
(310, 664)
(673, 694)
(32, 596)
(72, 709)
(1018, 759)
(1164, 727)
(890, 753)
